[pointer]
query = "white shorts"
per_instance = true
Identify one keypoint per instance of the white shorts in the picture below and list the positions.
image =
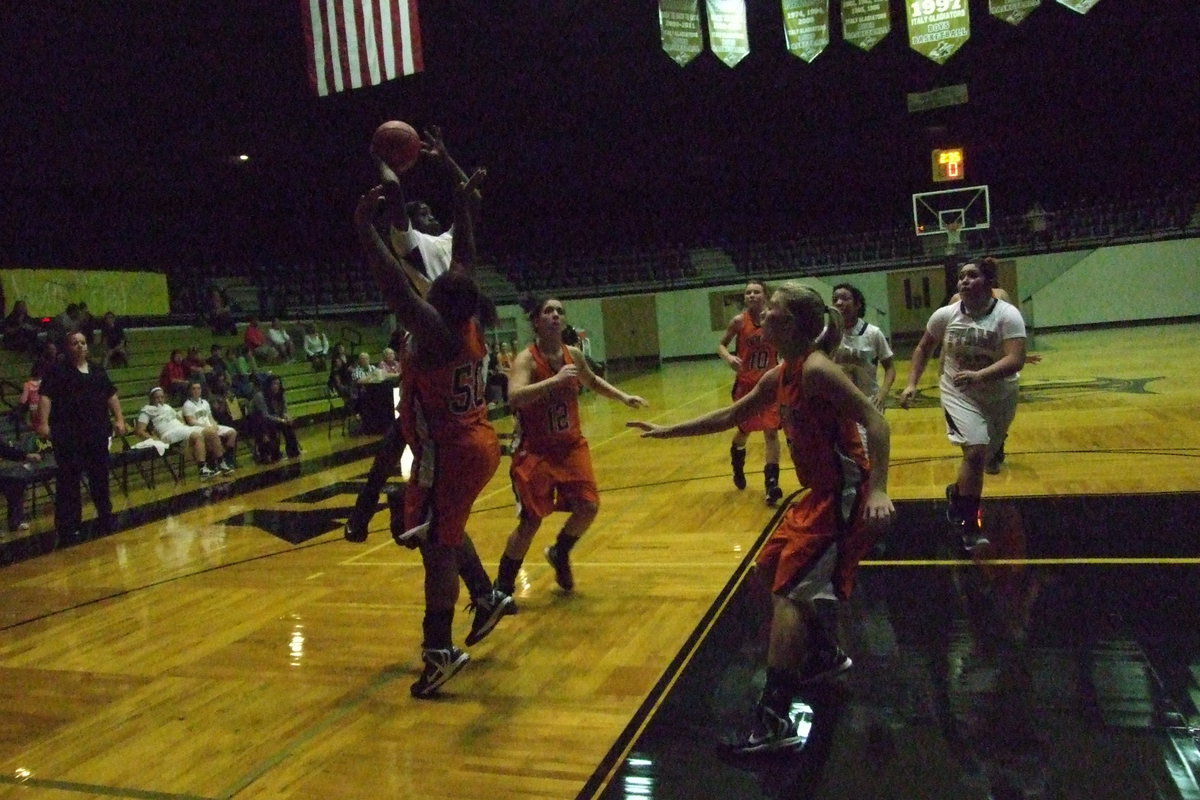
(178, 433)
(973, 421)
(222, 430)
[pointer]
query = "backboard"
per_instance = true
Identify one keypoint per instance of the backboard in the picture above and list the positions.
(969, 206)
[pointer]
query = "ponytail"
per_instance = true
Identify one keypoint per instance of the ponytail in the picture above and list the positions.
(830, 336)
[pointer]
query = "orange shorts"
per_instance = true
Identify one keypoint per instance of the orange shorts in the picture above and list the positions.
(815, 551)
(767, 420)
(445, 482)
(544, 484)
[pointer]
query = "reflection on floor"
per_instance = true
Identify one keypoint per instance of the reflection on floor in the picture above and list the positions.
(1065, 666)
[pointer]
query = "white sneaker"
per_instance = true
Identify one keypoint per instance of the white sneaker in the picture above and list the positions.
(225, 466)
(206, 473)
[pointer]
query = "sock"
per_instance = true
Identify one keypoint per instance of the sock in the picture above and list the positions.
(506, 579)
(780, 689)
(471, 570)
(737, 455)
(564, 543)
(436, 627)
(771, 475)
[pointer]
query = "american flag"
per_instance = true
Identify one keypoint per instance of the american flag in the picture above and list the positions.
(354, 43)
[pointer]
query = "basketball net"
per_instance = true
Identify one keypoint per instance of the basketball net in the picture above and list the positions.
(953, 236)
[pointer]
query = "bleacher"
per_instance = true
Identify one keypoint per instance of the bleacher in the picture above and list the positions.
(149, 348)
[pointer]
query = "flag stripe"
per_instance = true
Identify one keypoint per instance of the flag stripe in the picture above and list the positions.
(355, 43)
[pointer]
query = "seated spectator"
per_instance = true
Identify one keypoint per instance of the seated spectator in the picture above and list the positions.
(157, 420)
(13, 487)
(21, 330)
(48, 358)
(256, 342)
(281, 340)
(197, 366)
(363, 370)
(226, 408)
(339, 374)
(496, 389)
(64, 323)
(390, 365)
(86, 323)
(220, 440)
(269, 420)
(31, 395)
(175, 376)
(242, 372)
(215, 365)
(316, 347)
(219, 315)
(112, 338)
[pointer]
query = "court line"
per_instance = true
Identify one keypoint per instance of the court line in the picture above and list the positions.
(1034, 562)
(96, 790)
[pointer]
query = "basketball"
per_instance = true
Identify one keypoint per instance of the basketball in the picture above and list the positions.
(397, 145)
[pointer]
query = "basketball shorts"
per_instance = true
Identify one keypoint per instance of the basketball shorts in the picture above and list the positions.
(972, 420)
(446, 480)
(178, 433)
(767, 420)
(815, 551)
(544, 484)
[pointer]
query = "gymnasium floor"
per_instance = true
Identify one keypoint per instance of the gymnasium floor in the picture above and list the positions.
(227, 642)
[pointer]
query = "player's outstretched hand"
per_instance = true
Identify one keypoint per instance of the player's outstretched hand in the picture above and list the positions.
(879, 510)
(634, 401)
(649, 429)
(907, 395)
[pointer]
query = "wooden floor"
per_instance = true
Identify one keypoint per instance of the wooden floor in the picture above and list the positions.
(237, 646)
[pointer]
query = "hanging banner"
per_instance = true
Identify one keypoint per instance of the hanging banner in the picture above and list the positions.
(1082, 6)
(727, 33)
(679, 24)
(1013, 12)
(937, 28)
(806, 27)
(865, 22)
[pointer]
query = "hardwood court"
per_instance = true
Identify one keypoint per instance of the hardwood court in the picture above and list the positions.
(237, 646)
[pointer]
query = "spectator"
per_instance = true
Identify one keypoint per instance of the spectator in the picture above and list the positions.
(198, 367)
(242, 372)
(316, 347)
(390, 365)
(269, 420)
(13, 487)
(86, 323)
(363, 371)
(339, 374)
(49, 357)
(31, 397)
(226, 408)
(281, 340)
(20, 329)
(65, 323)
(216, 366)
(219, 315)
(256, 342)
(173, 379)
(112, 338)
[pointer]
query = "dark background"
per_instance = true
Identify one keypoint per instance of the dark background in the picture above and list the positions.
(119, 120)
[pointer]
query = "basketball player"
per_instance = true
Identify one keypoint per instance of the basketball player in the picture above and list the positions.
(753, 355)
(814, 553)
(551, 464)
(424, 252)
(983, 348)
(864, 348)
(996, 459)
(444, 415)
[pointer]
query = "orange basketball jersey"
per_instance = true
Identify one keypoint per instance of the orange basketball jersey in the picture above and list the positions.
(550, 423)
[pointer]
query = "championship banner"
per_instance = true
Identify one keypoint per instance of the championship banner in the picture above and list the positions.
(1013, 12)
(938, 28)
(866, 22)
(727, 32)
(1082, 6)
(806, 27)
(679, 23)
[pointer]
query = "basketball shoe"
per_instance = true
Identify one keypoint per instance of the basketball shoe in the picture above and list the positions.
(489, 609)
(440, 666)
(562, 568)
(770, 732)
